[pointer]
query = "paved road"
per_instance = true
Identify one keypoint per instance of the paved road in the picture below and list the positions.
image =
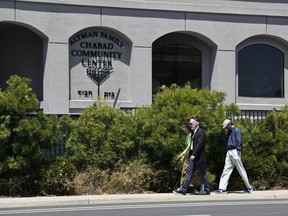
(172, 208)
(137, 198)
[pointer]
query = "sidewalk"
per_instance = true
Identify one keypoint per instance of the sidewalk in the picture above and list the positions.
(136, 198)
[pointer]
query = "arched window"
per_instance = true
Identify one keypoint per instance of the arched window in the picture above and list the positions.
(260, 71)
(22, 54)
(178, 64)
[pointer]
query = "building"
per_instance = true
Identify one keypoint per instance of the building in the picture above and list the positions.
(76, 51)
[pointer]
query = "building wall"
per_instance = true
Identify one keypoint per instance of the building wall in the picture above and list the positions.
(220, 28)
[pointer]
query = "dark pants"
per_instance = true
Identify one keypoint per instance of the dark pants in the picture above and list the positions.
(192, 167)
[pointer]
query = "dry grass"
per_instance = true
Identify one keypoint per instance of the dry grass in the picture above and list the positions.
(129, 178)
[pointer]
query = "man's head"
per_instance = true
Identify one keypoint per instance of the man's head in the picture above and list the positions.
(227, 124)
(194, 122)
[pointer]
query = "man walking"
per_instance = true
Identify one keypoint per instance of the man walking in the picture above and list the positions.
(197, 160)
(233, 141)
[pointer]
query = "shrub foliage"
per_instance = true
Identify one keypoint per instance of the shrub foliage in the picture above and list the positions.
(111, 151)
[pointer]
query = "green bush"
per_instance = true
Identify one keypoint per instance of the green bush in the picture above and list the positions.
(161, 137)
(24, 132)
(110, 151)
(266, 151)
(15, 103)
(102, 137)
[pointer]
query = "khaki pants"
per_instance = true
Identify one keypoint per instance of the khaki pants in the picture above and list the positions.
(232, 160)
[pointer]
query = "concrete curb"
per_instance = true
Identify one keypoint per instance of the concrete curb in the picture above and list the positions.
(136, 198)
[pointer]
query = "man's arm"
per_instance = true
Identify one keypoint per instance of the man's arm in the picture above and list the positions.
(238, 139)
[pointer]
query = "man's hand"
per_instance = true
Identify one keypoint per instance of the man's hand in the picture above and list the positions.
(192, 158)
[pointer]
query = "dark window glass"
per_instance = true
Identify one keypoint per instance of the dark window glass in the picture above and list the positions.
(21, 54)
(260, 71)
(177, 64)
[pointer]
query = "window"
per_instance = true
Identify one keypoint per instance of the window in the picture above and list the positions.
(176, 64)
(260, 71)
(21, 53)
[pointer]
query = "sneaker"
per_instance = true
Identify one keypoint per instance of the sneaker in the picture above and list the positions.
(204, 192)
(180, 191)
(248, 190)
(219, 191)
(202, 189)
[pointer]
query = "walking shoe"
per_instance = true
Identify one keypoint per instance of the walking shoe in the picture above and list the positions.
(204, 192)
(219, 191)
(202, 189)
(248, 190)
(180, 191)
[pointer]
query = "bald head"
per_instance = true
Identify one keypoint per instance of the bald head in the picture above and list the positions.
(194, 123)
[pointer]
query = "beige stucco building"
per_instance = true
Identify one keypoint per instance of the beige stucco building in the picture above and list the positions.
(76, 51)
